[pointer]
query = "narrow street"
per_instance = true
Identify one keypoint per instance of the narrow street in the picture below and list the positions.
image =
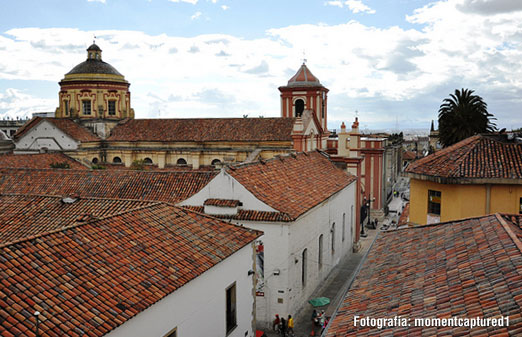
(337, 283)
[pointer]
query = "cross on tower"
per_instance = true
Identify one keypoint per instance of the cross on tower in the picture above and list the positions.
(304, 57)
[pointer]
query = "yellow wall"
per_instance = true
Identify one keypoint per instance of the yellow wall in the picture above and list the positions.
(462, 201)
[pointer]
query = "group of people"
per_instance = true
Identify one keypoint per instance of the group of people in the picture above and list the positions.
(284, 326)
(320, 319)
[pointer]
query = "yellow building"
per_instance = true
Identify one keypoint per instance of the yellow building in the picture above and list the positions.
(477, 176)
(95, 123)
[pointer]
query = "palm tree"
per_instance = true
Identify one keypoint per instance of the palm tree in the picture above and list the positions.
(463, 115)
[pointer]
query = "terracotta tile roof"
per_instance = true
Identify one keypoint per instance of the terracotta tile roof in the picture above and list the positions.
(480, 156)
(203, 168)
(222, 202)
(409, 155)
(466, 269)
(170, 187)
(247, 215)
(68, 126)
(39, 161)
(204, 130)
(303, 78)
(24, 216)
(292, 184)
(405, 216)
(88, 279)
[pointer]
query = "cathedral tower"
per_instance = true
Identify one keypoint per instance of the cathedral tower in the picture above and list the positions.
(304, 92)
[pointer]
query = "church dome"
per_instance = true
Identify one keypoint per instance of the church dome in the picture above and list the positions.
(94, 65)
(304, 78)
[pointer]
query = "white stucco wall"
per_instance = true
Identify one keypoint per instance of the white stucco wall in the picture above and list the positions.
(45, 135)
(199, 307)
(284, 243)
(223, 186)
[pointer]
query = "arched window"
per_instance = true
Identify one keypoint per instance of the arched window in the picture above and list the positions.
(181, 161)
(299, 107)
(94, 160)
(147, 161)
(320, 256)
(303, 267)
(216, 162)
(116, 160)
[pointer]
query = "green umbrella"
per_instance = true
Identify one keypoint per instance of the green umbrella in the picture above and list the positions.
(319, 301)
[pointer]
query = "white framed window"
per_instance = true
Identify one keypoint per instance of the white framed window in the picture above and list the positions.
(231, 310)
(112, 108)
(86, 107)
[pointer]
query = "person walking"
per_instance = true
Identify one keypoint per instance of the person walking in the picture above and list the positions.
(275, 324)
(290, 325)
(283, 327)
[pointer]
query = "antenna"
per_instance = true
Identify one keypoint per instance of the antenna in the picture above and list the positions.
(304, 57)
(94, 39)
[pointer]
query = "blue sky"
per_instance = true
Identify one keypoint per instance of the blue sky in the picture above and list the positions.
(393, 61)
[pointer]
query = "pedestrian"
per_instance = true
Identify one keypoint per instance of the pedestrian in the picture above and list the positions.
(283, 327)
(290, 324)
(314, 316)
(275, 324)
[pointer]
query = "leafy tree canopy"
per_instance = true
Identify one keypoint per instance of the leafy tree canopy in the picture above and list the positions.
(463, 115)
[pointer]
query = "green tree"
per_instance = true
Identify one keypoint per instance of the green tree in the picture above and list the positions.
(463, 115)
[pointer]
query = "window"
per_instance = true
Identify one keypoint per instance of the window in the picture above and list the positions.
(351, 224)
(181, 161)
(116, 160)
(303, 267)
(333, 238)
(147, 161)
(299, 107)
(520, 207)
(434, 198)
(231, 308)
(66, 108)
(216, 162)
(344, 227)
(94, 160)
(173, 333)
(320, 256)
(112, 108)
(86, 107)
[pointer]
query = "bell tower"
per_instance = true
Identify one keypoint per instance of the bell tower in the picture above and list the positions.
(304, 92)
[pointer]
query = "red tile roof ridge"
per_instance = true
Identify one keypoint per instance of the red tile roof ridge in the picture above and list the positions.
(445, 222)
(512, 235)
(190, 209)
(245, 215)
(26, 126)
(60, 123)
(77, 197)
(293, 208)
(96, 170)
(443, 152)
(78, 224)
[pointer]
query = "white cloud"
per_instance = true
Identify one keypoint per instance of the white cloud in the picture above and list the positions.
(224, 7)
(196, 15)
(384, 73)
(193, 2)
(102, 1)
(356, 6)
(15, 103)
